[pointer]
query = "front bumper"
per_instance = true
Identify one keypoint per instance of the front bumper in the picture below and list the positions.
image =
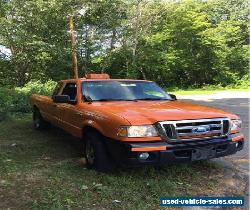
(127, 153)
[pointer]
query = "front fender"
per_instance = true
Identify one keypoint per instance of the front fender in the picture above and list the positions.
(93, 124)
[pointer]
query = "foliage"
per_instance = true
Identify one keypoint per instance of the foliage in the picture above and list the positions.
(6, 97)
(175, 43)
(241, 84)
(17, 99)
(188, 44)
(23, 94)
(244, 82)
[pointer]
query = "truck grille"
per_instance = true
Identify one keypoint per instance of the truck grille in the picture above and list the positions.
(195, 129)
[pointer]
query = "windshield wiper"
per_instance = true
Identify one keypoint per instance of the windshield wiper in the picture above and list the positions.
(88, 99)
(112, 99)
(153, 99)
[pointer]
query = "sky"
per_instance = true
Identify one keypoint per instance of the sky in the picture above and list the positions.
(4, 51)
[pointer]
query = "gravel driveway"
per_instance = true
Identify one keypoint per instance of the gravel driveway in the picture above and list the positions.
(235, 102)
(236, 166)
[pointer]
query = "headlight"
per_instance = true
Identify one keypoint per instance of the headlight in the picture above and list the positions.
(236, 125)
(137, 131)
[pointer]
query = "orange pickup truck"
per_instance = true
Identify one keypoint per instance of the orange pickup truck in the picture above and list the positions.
(134, 122)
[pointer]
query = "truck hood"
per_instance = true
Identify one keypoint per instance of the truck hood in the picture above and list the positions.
(149, 112)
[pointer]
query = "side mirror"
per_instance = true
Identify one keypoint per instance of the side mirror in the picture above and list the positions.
(173, 97)
(61, 99)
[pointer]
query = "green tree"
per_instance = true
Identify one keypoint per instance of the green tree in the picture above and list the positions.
(176, 43)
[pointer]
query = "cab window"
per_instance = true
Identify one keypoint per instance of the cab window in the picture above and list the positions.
(70, 90)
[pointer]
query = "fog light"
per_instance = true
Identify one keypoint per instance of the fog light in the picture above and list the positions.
(144, 156)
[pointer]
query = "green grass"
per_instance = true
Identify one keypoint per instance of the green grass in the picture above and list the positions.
(192, 92)
(205, 90)
(41, 170)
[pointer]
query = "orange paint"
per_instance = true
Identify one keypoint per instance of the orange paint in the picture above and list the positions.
(108, 116)
(147, 149)
(237, 138)
(234, 131)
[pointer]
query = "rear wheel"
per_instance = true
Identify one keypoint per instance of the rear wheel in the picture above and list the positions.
(96, 154)
(38, 121)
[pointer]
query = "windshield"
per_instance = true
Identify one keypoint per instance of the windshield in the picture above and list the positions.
(122, 91)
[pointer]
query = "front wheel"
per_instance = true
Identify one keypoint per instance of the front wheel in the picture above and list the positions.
(96, 154)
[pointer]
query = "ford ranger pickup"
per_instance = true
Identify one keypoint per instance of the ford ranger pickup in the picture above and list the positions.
(124, 122)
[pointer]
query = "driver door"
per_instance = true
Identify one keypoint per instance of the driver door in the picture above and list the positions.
(68, 114)
(50, 110)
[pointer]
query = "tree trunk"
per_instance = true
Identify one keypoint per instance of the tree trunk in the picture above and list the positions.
(113, 39)
(73, 46)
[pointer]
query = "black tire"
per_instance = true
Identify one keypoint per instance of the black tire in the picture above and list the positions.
(95, 153)
(38, 122)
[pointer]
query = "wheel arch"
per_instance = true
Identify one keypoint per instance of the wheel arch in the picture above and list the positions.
(90, 128)
(35, 108)
(103, 157)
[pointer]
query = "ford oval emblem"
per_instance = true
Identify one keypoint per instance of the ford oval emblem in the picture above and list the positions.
(201, 129)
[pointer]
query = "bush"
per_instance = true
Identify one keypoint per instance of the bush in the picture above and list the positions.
(6, 96)
(21, 101)
(244, 82)
(17, 99)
